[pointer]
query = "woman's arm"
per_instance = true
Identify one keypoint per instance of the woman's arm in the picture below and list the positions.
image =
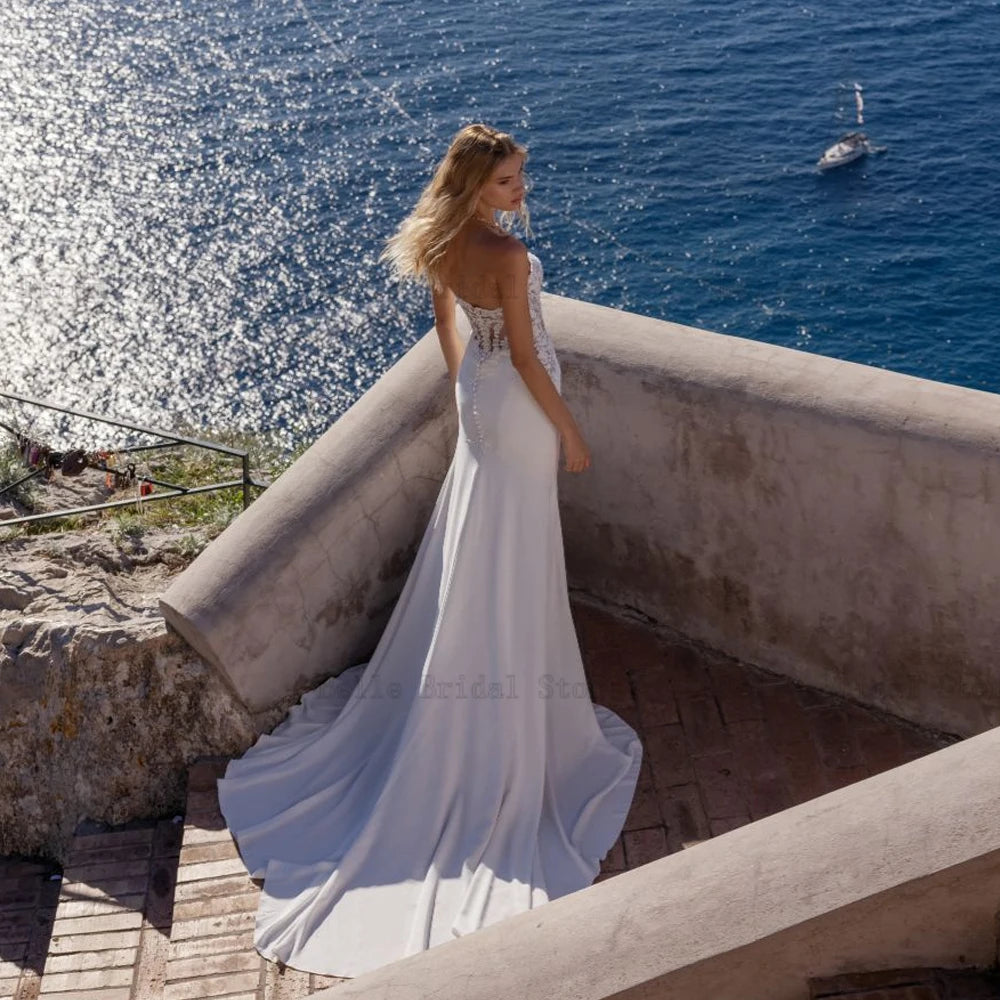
(513, 289)
(452, 346)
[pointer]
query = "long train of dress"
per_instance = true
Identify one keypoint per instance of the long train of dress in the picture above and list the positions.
(463, 774)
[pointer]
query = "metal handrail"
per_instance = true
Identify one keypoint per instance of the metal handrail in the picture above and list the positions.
(170, 440)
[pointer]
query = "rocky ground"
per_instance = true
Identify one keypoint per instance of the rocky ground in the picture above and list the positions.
(101, 707)
(104, 571)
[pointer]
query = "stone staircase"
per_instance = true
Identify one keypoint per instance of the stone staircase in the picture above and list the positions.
(160, 910)
(164, 909)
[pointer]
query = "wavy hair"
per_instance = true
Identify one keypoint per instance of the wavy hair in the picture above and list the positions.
(449, 200)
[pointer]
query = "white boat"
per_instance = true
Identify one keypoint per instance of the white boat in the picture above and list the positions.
(849, 147)
(852, 145)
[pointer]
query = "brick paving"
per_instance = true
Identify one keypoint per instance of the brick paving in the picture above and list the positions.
(211, 944)
(156, 910)
(164, 909)
(28, 897)
(724, 743)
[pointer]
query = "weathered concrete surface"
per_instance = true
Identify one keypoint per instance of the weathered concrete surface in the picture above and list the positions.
(827, 520)
(301, 584)
(101, 710)
(902, 869)
(831, 521)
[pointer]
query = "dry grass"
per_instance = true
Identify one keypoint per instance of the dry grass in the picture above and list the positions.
(205, 514)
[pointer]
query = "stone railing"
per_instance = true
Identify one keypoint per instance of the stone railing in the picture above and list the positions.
(828, 520)
(301, 584)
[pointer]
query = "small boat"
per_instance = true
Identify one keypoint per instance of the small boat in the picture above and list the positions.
(852, 145)
(849, 147)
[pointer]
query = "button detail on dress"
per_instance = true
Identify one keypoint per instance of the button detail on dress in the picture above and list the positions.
(488, 333)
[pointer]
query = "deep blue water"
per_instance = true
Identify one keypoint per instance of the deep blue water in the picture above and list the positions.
(194, 194)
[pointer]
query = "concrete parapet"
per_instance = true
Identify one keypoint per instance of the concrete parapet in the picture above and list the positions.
(301, 584)
(828, 520)
(902, 869)
(832, 521)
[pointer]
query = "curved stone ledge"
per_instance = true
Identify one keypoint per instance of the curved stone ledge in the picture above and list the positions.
(302, 582)
(824, 519)
(828, 520)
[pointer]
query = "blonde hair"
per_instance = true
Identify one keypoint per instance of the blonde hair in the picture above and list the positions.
(449, 200)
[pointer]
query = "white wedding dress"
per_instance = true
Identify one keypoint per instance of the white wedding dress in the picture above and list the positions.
(463, 775)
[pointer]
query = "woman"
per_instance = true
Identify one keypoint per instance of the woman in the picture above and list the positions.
(463, 774)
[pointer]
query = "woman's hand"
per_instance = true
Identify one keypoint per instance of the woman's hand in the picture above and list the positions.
(576, 451)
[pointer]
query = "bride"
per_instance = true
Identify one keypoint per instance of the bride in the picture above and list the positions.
(462, 775)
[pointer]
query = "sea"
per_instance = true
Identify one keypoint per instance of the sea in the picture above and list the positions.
(194, 193)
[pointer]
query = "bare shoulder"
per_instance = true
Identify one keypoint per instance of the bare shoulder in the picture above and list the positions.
(487, 267)
(442, 296)
(504, 249)
(513, 265)
(512, 251)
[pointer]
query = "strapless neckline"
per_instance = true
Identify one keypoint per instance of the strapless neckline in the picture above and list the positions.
(532, 260)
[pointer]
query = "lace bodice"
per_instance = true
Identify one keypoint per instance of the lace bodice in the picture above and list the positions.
(488, 332)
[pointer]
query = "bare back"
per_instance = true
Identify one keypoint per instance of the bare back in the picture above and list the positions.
(472, 265)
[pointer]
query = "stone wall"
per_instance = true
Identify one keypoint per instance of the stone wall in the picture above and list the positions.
(828, 520)
(831, 521)
(101, 708)
(302, 583)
